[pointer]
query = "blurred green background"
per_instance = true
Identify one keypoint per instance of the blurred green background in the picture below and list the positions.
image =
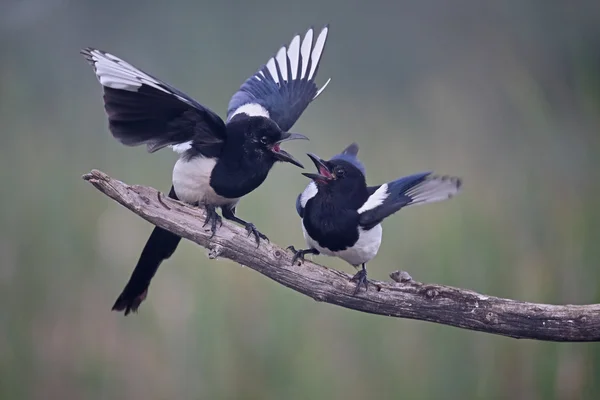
(504, 94)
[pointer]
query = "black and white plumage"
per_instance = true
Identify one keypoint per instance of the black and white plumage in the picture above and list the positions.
(284, 86)
(341, 215)
(219, 161)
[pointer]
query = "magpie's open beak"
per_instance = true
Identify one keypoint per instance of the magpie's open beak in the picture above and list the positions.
(324, 174)
(283, 155)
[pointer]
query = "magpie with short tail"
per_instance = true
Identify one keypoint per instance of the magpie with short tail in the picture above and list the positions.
(341, 215)
(219, 161)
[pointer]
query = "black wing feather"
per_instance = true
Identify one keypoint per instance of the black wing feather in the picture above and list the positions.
(142, 109)
(415, 189)
(284, 96)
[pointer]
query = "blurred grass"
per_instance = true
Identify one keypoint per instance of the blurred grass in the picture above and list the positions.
(505, 95)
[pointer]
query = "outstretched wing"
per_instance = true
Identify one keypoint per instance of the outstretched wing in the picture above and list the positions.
(350, 154)
(144, 110)
(283, 88)
(415, 189)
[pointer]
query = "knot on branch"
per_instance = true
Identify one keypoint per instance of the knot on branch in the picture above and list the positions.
(491, 318)
(215, 251)
(401, 277)
(429, 302)
(430, 293)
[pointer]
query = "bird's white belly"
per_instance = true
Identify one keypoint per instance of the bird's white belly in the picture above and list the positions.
(364, 250)
(191, 180)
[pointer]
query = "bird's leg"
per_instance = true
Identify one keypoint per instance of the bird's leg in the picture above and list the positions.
(229, 213)
(299, 254)
(213, 218)
(361, 279)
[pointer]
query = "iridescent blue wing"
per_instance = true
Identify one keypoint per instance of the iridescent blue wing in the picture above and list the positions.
(283, 87)
(415, 189)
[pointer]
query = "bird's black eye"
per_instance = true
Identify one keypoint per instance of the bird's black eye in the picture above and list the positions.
(264, 140)
(339, 172)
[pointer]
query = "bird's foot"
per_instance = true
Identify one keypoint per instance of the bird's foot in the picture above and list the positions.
(213, 218)
(361, 279)
(251, 229)
(299, 254)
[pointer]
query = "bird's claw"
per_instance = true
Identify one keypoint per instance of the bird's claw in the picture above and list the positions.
(213, 227)
(298, 254)
(251, 229)
(213, 218)
(361, 279)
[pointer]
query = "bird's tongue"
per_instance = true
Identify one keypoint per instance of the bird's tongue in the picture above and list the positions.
(276, 148)
(325, 172)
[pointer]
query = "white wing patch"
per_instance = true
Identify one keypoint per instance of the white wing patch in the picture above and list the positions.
(282, 62)
(305, 51)
(376, 199)
(433, 189)
(115, 73)
(289, 57)
(251, 110)
(318, 51)
(294, 52)
(273, 69)
(182, 147)
(310, 192)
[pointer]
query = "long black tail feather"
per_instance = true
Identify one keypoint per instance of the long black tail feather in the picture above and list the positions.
(159, 247)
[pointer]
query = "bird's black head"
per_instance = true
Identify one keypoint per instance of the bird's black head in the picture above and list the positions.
(261, 139)
(337, 176)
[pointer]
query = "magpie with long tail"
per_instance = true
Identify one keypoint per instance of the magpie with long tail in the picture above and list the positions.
(341, 215)
(219, 161)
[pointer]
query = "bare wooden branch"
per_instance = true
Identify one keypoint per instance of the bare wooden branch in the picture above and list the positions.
(403, 298)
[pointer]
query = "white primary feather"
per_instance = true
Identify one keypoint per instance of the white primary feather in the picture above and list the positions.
(273, 69)
(306, 50)
(278, 65)
(318, 51)
(322, 88)
(282, 62)
(433, 189)
(294, 55)
(310, 192)
(115, 73)
(376, 199)
(111, 69)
